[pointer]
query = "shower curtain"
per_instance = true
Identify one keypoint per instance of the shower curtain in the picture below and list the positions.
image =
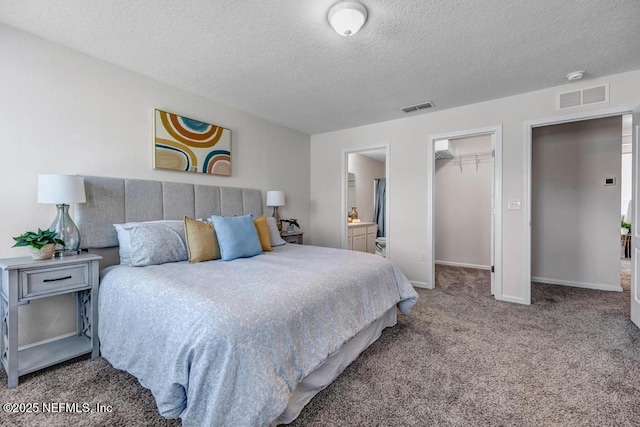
(379, 214)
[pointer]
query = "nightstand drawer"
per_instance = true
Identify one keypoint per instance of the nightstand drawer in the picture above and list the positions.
(51, 280)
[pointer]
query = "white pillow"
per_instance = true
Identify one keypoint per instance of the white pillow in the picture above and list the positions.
(124, 240)
(274, 234)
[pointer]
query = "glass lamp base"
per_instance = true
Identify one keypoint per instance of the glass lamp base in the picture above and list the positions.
(67, 232)
(276, 215)
(61, 253)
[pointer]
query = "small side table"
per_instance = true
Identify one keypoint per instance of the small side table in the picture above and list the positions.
(293, 237)
(23, 280)
(625, 243)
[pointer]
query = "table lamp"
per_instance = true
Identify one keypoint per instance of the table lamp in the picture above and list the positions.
(62, 190)
(275, 199)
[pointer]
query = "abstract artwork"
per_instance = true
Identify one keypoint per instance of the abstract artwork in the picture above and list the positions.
(190, 145)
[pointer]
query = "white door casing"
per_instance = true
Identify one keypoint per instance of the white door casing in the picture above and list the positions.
(635, 235)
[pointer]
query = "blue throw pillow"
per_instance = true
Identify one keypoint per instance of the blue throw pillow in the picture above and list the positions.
(237, 236)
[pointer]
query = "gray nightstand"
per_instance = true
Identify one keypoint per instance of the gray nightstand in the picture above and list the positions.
(293, 237)
(23, 280)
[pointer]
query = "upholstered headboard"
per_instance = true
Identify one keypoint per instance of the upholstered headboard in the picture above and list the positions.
(118, 200)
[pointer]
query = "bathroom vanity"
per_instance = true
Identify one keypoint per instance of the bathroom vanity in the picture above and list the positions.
(362, 236)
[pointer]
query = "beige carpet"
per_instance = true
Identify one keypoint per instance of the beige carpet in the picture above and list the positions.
(462, 358)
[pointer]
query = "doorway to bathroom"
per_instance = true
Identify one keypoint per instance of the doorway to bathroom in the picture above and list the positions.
(365, 201)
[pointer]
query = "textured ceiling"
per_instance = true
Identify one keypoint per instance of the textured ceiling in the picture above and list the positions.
(280, 60)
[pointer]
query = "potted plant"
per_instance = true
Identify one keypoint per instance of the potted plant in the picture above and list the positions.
(290, 224)
(42, 244)
(625, 227)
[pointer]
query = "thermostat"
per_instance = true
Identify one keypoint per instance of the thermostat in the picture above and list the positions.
(609, 181)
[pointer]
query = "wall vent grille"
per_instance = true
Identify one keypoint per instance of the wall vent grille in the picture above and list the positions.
(417, 107)
(570, 99)
(587, 96)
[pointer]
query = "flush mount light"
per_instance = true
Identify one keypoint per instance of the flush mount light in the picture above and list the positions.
(576, 75)
(347, 17)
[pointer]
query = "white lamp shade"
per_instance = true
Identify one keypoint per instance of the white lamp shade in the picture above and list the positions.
(347, 17)
(275, 198)
(61, 189)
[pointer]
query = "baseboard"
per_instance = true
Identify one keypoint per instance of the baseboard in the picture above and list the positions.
(515, 300)
(420, 284)
(462, 264)
(596, 286)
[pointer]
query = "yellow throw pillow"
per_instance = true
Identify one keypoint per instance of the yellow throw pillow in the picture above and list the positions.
(202, 242)
(263, 233)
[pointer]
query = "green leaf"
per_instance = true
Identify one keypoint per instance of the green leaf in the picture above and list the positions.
(37, 240)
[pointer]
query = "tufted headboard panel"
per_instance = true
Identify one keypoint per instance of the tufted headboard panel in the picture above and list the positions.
(118, 200)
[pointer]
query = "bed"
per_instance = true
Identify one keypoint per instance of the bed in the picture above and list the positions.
(243, 342)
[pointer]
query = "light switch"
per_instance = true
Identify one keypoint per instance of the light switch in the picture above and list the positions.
(514, 205)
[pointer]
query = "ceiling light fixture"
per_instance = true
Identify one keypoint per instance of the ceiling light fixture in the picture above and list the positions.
(347, 17)
(576, 75)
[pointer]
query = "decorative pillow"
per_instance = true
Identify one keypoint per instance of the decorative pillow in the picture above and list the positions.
(153, 244)
(125, 243)
(201, 239)
(263, 233)
(237, 236)
(274, 234)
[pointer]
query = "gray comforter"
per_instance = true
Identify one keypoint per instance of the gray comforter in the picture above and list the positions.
(225, 343)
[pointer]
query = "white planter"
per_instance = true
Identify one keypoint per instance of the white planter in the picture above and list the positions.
(46, 252)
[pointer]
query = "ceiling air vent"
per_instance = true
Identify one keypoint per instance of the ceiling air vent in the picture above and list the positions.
(412, 108)
(578, 98)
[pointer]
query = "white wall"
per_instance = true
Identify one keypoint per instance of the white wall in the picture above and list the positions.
(626, 175)
(409, 172)
(66, 112)
(463, 205)
(625, 181)
(575, 219)
(366, 170)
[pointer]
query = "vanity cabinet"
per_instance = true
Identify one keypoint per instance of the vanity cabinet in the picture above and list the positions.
(362, 237)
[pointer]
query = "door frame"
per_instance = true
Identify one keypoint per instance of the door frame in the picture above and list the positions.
(345, 181)
(635, 214)
(527, 167)
(496, 133)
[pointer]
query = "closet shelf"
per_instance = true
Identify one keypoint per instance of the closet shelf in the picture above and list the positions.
(470, 158)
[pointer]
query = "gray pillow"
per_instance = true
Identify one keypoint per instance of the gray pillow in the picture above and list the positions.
(274, 234)
(124, 241)
(157, 243)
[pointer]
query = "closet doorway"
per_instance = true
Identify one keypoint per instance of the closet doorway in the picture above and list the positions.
(365, 200)
(464, 216)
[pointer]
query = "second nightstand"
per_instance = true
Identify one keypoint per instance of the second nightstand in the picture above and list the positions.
(23, 280)
(293, 237)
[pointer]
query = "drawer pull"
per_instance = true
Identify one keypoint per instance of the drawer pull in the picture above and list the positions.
(57, 280)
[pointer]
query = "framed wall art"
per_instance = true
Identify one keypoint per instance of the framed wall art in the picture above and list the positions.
(189, 145)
